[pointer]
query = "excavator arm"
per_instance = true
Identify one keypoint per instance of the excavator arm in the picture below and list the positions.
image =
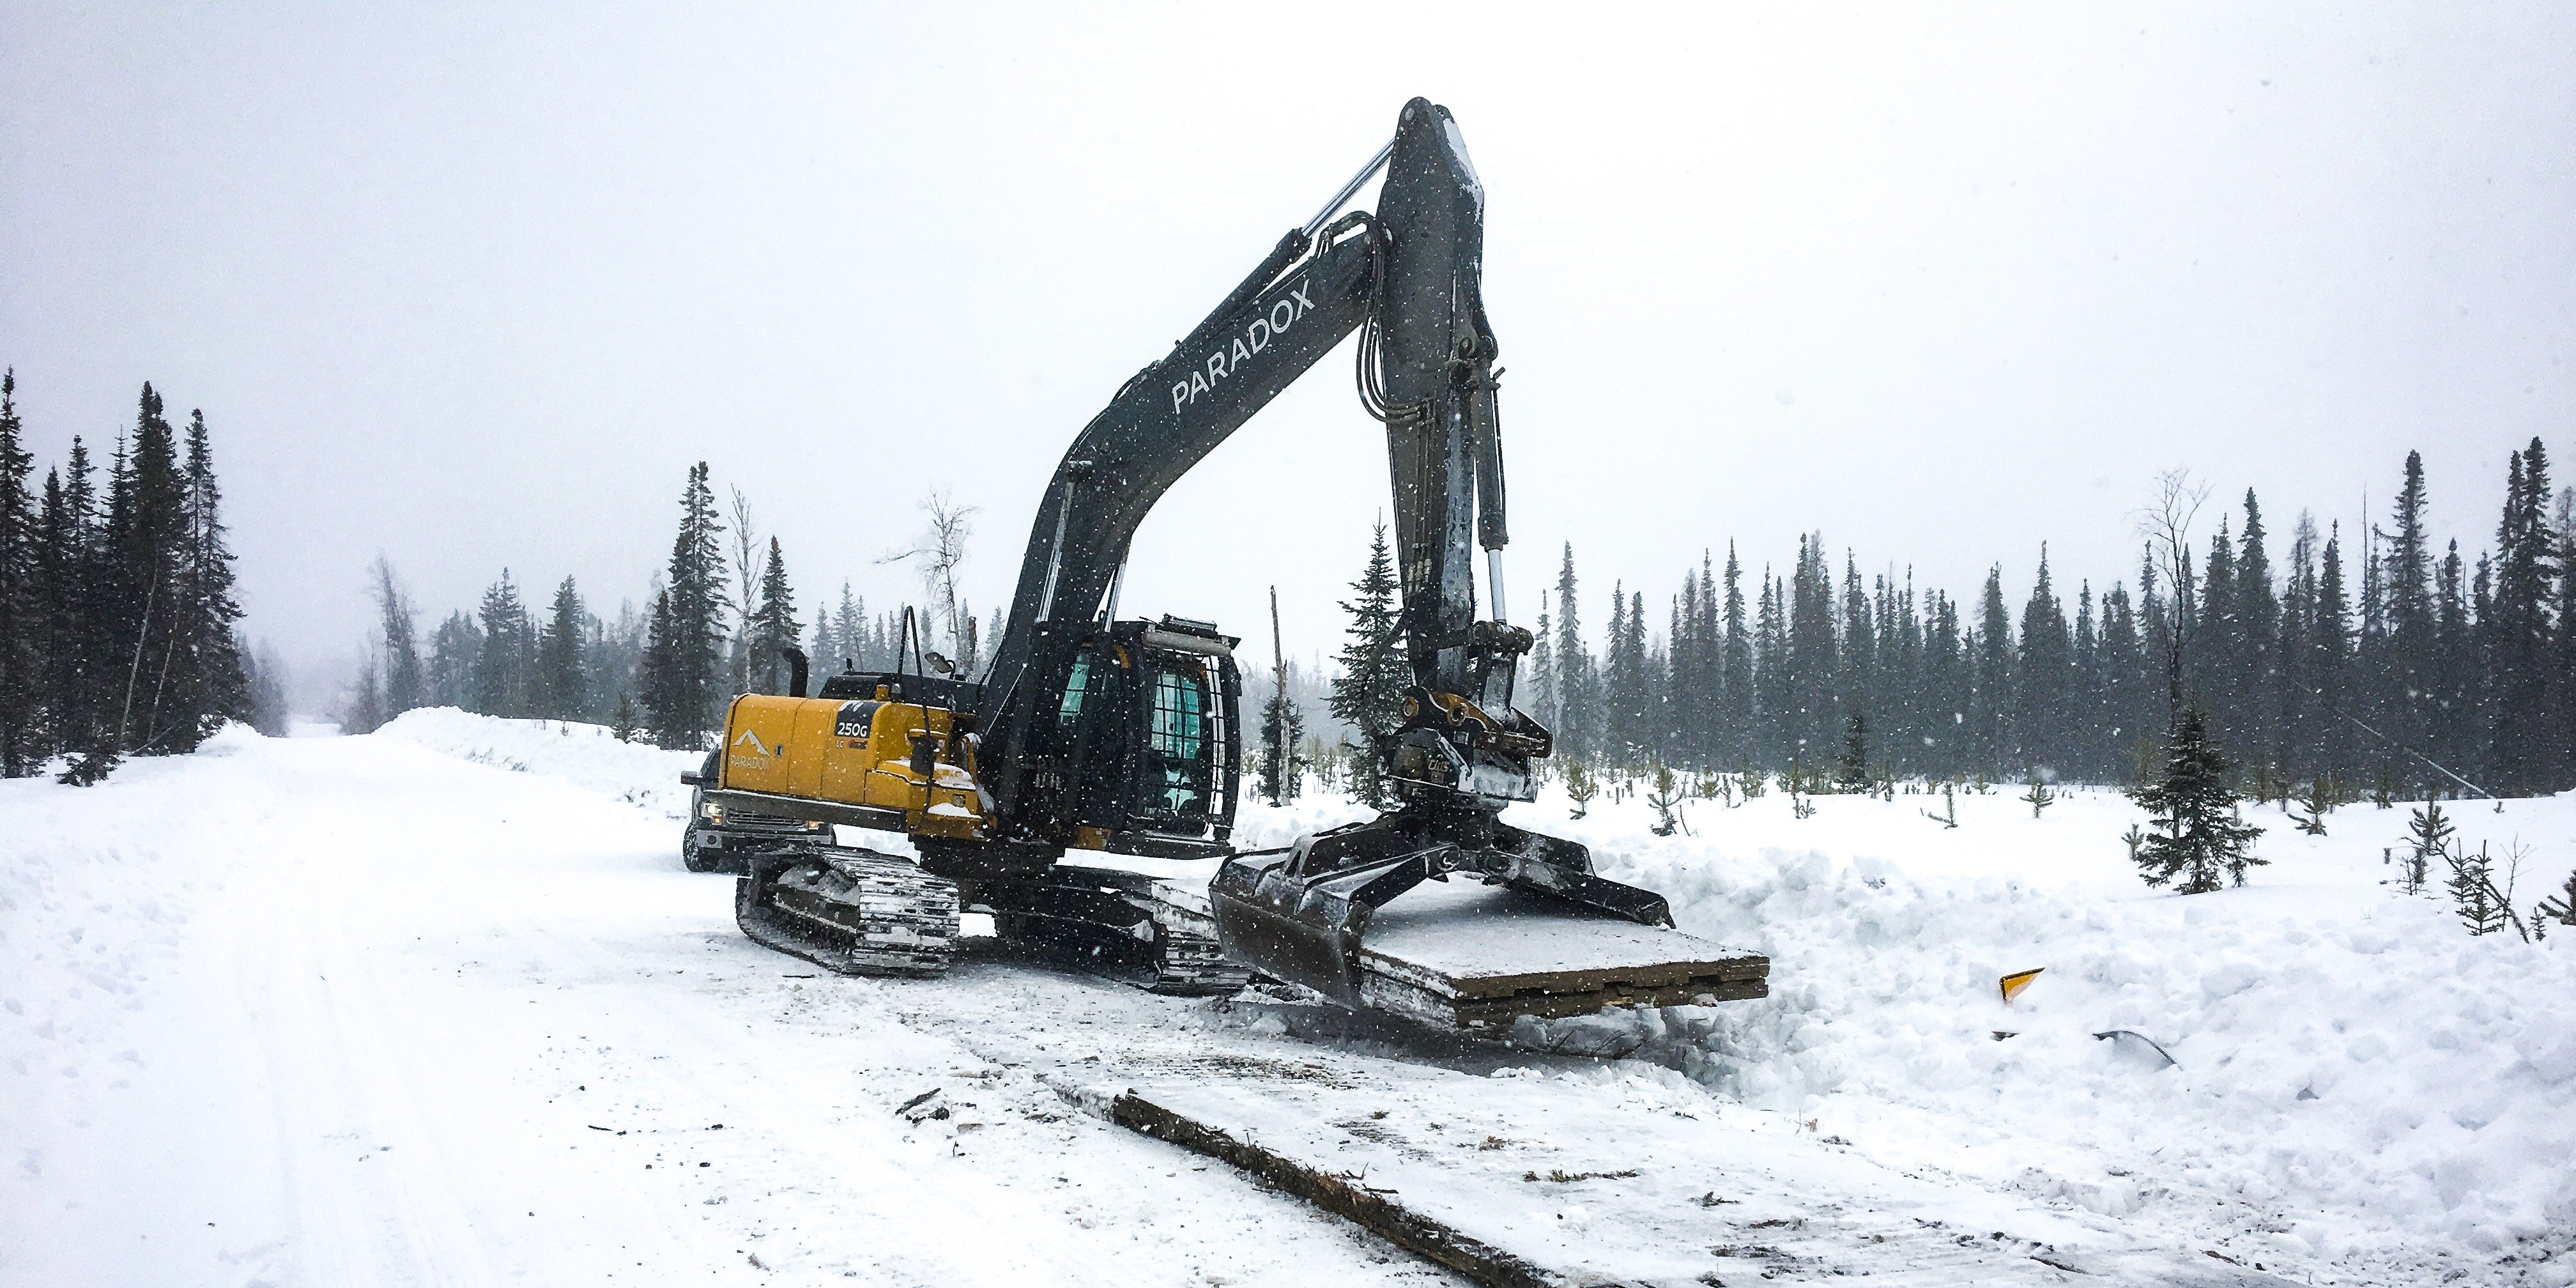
(1408, 278)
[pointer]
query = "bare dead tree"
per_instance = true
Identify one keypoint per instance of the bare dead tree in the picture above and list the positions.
(2165, 521)
(746, 550)
(941, 549)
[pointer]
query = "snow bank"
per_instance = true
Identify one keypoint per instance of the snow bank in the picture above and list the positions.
(585, 755)
(2357, 1080)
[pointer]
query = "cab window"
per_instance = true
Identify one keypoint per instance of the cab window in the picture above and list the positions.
(1180, 714)
(1075, 690)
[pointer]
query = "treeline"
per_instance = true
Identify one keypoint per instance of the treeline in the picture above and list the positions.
(722, 614)
(116, 601)
(2438, 674)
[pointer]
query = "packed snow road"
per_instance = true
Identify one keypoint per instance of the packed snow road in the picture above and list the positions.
(347, 1011)
(438, 1006)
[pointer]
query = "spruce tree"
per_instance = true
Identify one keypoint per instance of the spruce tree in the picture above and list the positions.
(1642, 715)
(503, 666)
(1665, 799)
(2482, 908)
(2086, 754)
(21, 744)
(2556, 909)
(268, 713)
(1283, 731)
(1618, 683)
(1945, 689)
(406, 684)
(2212, 648)
(1901, 654)
(2453, 728)
(2043, 712)
(2194, 805)
(1857, 661)
(658, 680)
(773, 626)
(2292, 700)
(206, 680)
(2327, 673)
(1771, 733)
(2564, 703)
(2408, 674)
(695, 586)
(1540, 695)
(1853, 769)
(67, 575)
(1578, 685)
(2523, 755)
(364, 712)
(2257, 662)
(2128, 696)
(850, 631)
(1990, 719)
(1735, 670)
(562, 682)
(2428, 833)
(453, 649)
(1368, 695)
(146, 541)
(1811, 710)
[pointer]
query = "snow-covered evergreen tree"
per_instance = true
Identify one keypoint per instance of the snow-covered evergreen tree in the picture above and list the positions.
(2200, 835)
(406, 682)
(504, 666)
(773, 625)
(683, 700)
(21, 661)
(1368, 695)
(562, 680)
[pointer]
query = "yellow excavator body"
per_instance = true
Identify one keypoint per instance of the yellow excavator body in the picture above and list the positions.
(877, 753)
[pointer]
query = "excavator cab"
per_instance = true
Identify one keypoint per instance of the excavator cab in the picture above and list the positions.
(1143, 755)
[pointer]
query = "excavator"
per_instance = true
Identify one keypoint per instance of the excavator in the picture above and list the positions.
(1123, 737)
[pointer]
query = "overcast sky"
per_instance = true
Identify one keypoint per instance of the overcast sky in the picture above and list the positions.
(473, 287)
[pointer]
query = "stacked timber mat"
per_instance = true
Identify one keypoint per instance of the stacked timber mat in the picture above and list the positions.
(1456, 954)
(1463, 955)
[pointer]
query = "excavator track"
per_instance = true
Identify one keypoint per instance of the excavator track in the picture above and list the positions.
(1148, 933)
(849, 911)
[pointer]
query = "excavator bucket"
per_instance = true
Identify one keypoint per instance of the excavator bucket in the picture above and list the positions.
(1528, 929)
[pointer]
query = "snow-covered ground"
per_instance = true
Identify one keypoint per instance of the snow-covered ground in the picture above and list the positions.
(439, 1005)
(2358, 1082)
(389, 1010)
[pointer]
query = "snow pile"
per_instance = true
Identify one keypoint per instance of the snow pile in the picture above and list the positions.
(2355, 1075)
(585, 755)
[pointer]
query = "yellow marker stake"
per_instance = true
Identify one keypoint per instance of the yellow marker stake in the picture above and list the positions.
(2014, 983)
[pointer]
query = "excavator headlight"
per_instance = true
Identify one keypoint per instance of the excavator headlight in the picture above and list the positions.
(714, 813)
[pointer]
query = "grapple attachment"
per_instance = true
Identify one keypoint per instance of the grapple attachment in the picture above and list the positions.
(1300, 914)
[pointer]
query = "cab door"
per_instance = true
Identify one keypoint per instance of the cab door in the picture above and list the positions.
(1174, 785)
